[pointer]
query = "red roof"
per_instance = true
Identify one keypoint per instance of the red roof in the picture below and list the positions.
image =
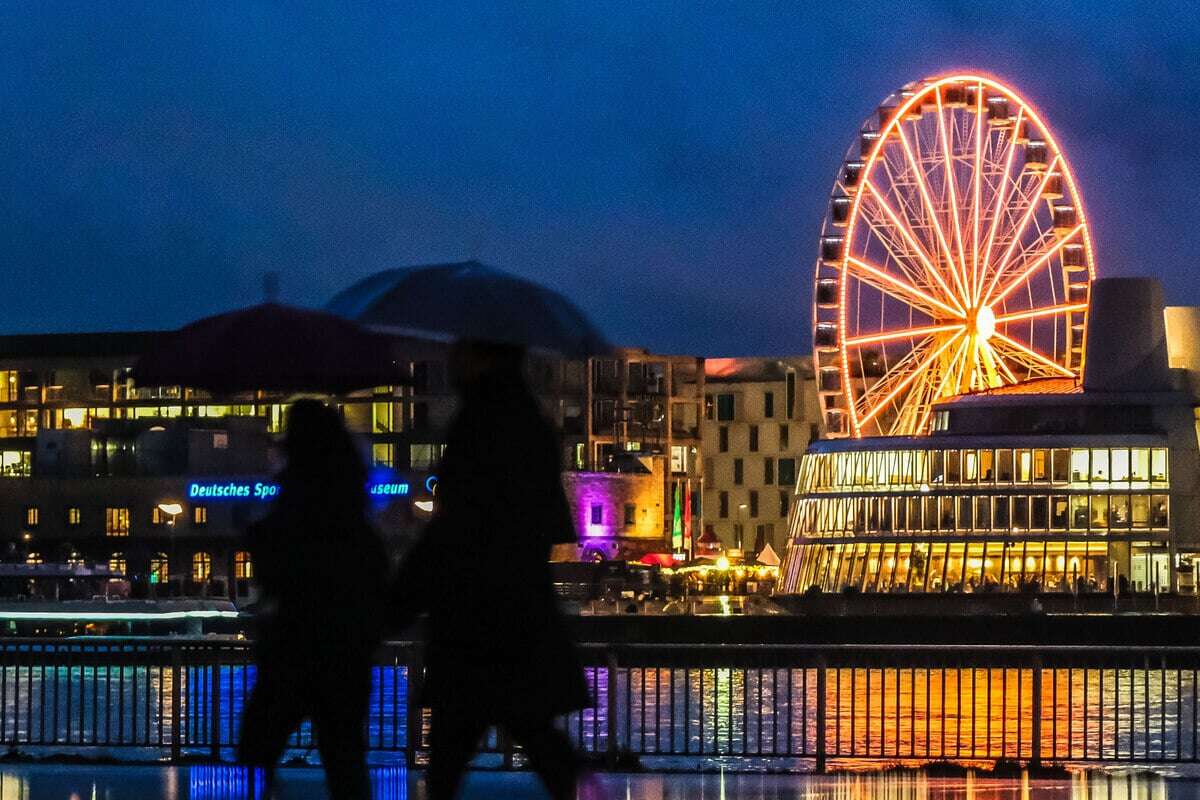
(1029, 387)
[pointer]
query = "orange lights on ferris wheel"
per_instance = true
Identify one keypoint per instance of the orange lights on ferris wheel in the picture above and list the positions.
(956, 257)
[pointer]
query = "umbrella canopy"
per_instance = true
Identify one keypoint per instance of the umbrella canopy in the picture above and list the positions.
(470, 300)
(271, 347)
(768, 557)
(657, 560)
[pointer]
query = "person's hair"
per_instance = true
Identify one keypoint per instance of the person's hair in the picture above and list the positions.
(324, 471)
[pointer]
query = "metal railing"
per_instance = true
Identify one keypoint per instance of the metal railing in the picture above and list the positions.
(676, 704)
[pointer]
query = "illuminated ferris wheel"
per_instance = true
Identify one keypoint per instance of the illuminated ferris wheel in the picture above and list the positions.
(955, 257)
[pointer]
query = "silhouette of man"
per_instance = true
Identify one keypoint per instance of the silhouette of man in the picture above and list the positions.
(322, 570)
(498, 650)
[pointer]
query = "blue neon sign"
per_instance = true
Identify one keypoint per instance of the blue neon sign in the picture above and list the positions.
(263, 491)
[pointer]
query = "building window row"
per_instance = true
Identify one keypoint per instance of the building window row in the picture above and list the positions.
(1095, 513)
(900, 469)
(955, 566)
(116, 518)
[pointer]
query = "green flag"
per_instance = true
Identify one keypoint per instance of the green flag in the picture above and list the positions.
(677, 523)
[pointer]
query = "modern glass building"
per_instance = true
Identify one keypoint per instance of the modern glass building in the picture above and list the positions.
(959, 512)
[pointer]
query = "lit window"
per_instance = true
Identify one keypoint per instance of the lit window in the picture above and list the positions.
(1139, 464)
(33, 558)
(74, 516)
(1158, 464)
(383, 454)
(679, 458)
(157, 517)
(116, 521)
(160, 570)
(1120, 464)
(201, 567)
(31, 516)
(1158, 511)
(199, 515)
(243, 568)
(116, 564)
(1079, 466)
(424, 456)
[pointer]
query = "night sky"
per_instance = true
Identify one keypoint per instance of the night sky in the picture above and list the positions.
(665, 165)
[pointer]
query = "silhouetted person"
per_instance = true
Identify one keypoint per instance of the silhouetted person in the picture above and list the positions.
(322, 571)
(498, 650)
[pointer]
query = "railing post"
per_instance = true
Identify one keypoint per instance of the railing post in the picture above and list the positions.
(215, 729)
(414, 715)
(176, 711)
(610, 724)
(1036, 713)
(821, 669)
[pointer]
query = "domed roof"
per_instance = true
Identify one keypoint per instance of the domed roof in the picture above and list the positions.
(360, 300)
(470, 300)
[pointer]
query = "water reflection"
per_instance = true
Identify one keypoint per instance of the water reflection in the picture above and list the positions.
(897, 785)
(59, 782)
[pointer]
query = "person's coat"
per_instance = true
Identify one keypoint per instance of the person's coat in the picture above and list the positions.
(322, 575)
(497, 642)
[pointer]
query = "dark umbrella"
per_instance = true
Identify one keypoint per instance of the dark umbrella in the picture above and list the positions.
(271, 347)
(471, 301)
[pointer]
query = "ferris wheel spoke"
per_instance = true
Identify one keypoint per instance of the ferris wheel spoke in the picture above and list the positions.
(950, 178)
(1046, 311)
(930, 208)
(1028, 355)
(899, 289)
(1033, 266)
(904, 333)
(1001, 193)
(1020, 228)
(940, 390)
(1000, 362)
(977, 205)
(910, 376)
(899, 225)
(898, 250)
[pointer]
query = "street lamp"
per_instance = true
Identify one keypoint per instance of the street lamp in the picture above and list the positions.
(741, 508)
(172, 510)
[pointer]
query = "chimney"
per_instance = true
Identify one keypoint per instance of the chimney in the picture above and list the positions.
(1126, 338)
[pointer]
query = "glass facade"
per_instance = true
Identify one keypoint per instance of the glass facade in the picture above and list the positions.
(979, 519)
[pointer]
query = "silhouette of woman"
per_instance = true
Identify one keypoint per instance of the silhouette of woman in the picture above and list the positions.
(498, 650)
(321, 569)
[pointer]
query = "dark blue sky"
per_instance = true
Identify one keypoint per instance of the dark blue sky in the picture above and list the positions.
(667, 165)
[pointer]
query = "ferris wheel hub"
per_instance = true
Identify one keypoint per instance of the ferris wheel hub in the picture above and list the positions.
(982, 323)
